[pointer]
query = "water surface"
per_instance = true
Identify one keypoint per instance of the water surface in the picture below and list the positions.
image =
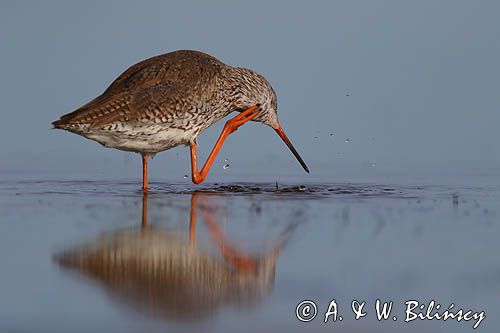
(100, 256)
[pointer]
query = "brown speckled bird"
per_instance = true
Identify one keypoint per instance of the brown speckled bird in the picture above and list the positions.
(167, 100)
(169, 274)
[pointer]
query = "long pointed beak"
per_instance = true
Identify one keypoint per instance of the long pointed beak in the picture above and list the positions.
(282, 135)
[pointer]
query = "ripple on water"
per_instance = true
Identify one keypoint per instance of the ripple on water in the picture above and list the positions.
(306, 190)
(274, 190)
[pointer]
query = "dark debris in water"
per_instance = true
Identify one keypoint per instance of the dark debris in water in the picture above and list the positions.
(255, 189)
(310, 190)
(319, 190)
(231, 189)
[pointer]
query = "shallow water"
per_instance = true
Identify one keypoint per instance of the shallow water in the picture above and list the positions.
(99, 256)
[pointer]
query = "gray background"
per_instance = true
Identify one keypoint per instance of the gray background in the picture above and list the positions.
(414, 85)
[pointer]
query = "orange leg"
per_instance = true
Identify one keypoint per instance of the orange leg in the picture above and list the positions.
(240, 261)
(145, 173)
(145, 209)
(231, 126)
(193, 220)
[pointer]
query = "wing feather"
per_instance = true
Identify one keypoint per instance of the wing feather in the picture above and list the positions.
(151, 89)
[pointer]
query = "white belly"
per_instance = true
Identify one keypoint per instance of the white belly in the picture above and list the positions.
(145, 139)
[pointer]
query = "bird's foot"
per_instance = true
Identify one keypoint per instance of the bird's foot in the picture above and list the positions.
(233, 124)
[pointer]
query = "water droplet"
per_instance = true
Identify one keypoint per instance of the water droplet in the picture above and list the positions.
(226, 166)
(185, 176)
(347, 140)
(331, 134)
(226, 160)
(316, 137)
(302, 188)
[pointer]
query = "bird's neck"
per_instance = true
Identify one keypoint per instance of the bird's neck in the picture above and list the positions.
(241, 88)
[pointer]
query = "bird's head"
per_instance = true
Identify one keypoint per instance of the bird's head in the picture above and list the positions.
(250, 88)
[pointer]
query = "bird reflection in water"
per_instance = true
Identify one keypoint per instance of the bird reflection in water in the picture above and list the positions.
(166, 274)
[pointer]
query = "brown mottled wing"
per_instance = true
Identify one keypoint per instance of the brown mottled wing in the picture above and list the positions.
(156, 87)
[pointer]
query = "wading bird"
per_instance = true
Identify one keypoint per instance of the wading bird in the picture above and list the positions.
(168, 100)
(168, 274)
